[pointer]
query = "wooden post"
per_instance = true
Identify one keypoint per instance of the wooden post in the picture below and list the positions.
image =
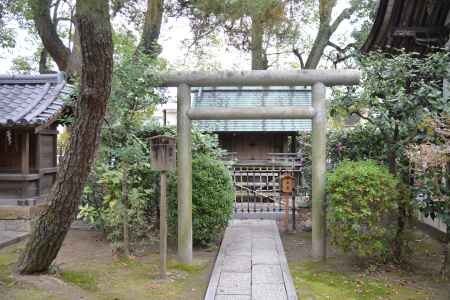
(319, 140)
(163, 227)
(184, 172)
(165, 117)
(25, 153)
(286, 211)
(162, 158)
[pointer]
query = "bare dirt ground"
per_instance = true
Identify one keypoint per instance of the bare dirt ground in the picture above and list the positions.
(86, 268)
(343, 277)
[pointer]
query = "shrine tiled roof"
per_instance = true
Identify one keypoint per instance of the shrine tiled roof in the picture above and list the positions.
(252, 97)
(32, 100)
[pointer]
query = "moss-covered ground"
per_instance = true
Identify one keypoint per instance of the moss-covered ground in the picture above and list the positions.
(342, 277)
(87, 269)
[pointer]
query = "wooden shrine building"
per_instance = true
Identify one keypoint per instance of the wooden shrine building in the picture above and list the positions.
(29, 108)
(253, 140)
(413, 25)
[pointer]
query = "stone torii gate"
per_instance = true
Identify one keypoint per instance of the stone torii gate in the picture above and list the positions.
(318, 79)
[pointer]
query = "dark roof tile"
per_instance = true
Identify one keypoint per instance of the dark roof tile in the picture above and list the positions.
(31, 99)
(252, 97)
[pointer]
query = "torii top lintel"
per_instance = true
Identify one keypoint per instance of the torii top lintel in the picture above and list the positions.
(260, 78)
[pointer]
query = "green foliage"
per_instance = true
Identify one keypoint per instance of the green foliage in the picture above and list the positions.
(397, 94)
(362, 201)
(212, 199)
(21, 65)
(107, 213)
(360, 143)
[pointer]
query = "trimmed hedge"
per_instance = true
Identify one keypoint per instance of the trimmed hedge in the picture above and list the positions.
(212, 200)
(362, 203)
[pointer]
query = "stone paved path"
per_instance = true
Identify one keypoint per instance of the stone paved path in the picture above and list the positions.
(251, 264)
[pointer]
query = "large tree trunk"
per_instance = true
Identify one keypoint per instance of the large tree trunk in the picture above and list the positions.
(259, 57)
(152, 28)
(51, 227)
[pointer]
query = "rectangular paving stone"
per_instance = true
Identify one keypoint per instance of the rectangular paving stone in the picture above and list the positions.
(268, 292)
(240, 264)
(264, 244)
(234, 284)
(239, 252)
(233, 297)
(261, 257)
(267, 274)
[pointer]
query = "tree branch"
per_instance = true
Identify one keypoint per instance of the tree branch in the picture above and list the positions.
(48, 33)
(345, 14)
(299, 56)
(340, 49)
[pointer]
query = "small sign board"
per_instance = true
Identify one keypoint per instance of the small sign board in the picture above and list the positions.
(287, 183)
(162, 153)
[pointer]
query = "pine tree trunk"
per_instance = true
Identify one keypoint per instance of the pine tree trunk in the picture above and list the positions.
(152, 28)
(259, 57)
(51, 227)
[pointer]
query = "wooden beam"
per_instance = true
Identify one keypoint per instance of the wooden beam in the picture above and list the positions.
(261, 78)
(45, 131)
(250, 113)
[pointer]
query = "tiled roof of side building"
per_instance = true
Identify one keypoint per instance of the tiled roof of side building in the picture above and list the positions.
(31, 100)
(413, 25)
(252, 97)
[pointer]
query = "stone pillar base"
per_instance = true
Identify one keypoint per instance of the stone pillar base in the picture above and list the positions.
(19, 218)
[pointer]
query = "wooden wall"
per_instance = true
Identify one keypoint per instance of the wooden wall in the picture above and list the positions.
(254, 145)
(10, 151)
(27, 165)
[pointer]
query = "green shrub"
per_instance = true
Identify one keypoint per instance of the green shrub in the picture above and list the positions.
(362, 204)
(212, 199)
(107, 215)
(212, 194)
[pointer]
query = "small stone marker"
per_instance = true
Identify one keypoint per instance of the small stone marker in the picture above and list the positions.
(163, 158)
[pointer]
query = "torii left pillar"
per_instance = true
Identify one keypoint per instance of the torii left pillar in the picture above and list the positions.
(184, 174)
